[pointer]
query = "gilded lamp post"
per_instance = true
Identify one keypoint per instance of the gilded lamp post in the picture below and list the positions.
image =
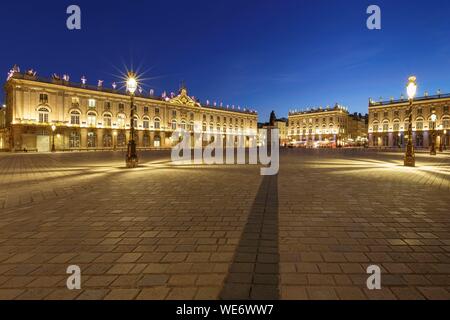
(410, 158)
(132, 158)
(433, 134)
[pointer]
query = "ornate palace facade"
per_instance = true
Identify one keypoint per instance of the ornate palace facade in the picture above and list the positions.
(388, 122)
(329, 126)
(94, 118)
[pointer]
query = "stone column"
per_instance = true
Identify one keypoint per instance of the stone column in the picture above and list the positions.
(83, 138)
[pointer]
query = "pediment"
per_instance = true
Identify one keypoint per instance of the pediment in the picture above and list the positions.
(184, 99)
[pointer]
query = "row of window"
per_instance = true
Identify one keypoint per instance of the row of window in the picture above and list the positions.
(121, 119)
(419, 125)
(108, 142)
(396, 113)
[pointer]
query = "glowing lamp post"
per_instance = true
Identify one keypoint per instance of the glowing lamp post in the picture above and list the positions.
(433, 134)
(53, 138)
(411, 89)
(132, 158)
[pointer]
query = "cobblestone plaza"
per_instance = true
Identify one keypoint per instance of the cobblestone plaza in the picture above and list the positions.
(165, 231)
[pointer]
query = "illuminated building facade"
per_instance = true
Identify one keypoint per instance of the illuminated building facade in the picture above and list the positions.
(388, 122)
(330, 126)
(95, 118)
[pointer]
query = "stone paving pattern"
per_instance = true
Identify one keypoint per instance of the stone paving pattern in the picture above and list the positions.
(167, 231)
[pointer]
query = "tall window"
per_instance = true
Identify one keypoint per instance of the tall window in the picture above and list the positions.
(121, 140)
(74, 140)
(145, 109)
(91, 119)
(121, 121)
(174, 124)
(174, 113)
(135, 122)
(107, 105)
(183, 125)
(146, 123)
(157, 123)
(43, 115)
(107, 141)
(121, 107)
(43, 98)
(385, 127)
(91, 140)
(107, 120)
(75, 118)
(156, 110)
(446, 123)
(419, 125)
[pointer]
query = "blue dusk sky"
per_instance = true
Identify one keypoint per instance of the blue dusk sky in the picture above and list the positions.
(267, 55)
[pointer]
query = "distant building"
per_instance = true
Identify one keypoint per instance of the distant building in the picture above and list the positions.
(281, 125)
(327, 127)
(388, 121)
(97, 118)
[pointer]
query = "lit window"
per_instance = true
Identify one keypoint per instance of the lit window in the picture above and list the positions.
(121, 121)
(43, 115)
(43, 98)
(107, 120)
(174, 124)
(75, 118)
(157, 123)
(91, 119)
(146, 123)
(91, 103)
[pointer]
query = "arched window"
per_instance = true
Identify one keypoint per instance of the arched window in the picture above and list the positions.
(191, 126)
(396, 125)
(204, 127)
(146, 141)
(74, 140)
(157, 123)
(107, 141)
(107, 120)
(183, 125)
(174, 124)
(91, 119)
(211, 127)
(92, 139)
(75, 118)
(157, 142)
(419, 124)
(43, 115)
(146, 123)
(446, 122)
(385, 126)
(121, 120)
(135, 122)
(121, 140)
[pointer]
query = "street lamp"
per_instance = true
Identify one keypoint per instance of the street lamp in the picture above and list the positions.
(53, 138)
(132, 158)
(433, 134)
(411, 89)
